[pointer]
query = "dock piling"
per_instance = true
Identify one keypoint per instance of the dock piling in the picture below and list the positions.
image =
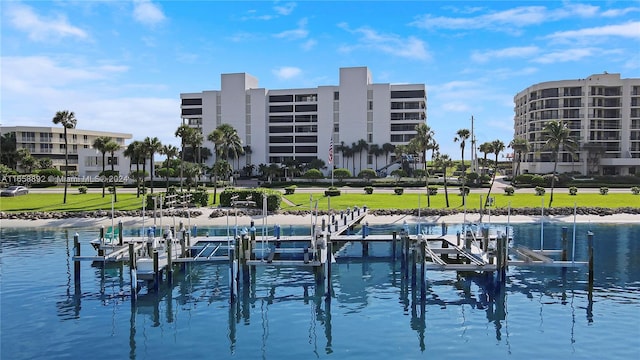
(590, 242)
(564, 243)
(393, 245)
(156, 271)
(120, 240)
(76, 263)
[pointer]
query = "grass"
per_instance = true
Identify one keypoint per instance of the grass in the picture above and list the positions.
(126, 201)
(410, 201)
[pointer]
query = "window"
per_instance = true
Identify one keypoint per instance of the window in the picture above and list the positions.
(306, 128)
(307, 118)
(407, 94)
(280, 98)
(280, 129)
(306, 97)
(189, 102)
(306, 149)
(280, 108)
(281, 149)
(306, 108)
(197, 111)
(336, 95)
(281, 118)
(306, 139)
(281, 139)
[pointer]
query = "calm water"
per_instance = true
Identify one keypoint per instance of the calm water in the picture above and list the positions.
(374, 314)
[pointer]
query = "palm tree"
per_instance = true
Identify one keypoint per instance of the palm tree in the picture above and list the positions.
(557, 135)
(170, 152)
(151, 146)
(195, 141)
(497, 147)
(388, 148)
(376, 151)
(362, 145)
(227, 142)
(220, 168)
(111, 147)
(424, 141)
(68, 120)
(99, 144)
(184, 132)
(135, 153)
(462, 135)
(486, 149)
(444, 161)
(520, 146)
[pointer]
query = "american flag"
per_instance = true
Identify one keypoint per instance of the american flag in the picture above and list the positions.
(331, 152)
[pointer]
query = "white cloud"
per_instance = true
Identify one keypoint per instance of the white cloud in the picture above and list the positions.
(309, 44)
(285, 9)
(628, 30)
(40, 28)
(287, 72)
(512, 52)
(147, 13)
(566, 55)
(515, 18)
(299, 33)
(392, 44)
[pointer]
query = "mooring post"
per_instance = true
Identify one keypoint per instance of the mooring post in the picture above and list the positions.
(156, 271)
(443, 228)
(232, 275)
(458, 238)
(484, 244)
(394, 240)
(564, 243)
(132, 271)
(414, 268)
(324, 223)
(169, 260)
(405, 254)
(76, 262)
(590, 242)
(423, 270)
(120, 239)
(100, 249)
(328, 265)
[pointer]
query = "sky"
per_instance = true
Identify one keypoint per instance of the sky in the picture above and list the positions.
(121, 65)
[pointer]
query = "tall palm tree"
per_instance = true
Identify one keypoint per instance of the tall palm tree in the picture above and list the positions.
(461, 136)
(220, 168)
(99, 144)
(111, 147)
(135, 154)
(444, 161)
(170, 152)
(376, 151)
(497, 146)
(362, 145)
(485, 148)
(424, 141)
(388, 148)
(152, 146)
(520, 146)
(195, 141)
(557, 135)
(184, 132)
(68, 120)
(227, 142)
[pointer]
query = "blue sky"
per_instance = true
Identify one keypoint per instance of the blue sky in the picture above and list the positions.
(121, 65)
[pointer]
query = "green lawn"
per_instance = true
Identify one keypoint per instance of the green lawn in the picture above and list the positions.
(410, 201)
(75, 202)
(89, 202)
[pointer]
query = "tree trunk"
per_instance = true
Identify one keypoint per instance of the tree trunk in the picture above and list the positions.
(553, 178)
(103, 182)
(113, 181)
(66, 164)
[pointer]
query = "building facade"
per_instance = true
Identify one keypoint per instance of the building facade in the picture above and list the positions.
(278, 125)
(84, 160)
(603, 113)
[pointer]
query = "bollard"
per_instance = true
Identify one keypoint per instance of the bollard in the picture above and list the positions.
(156, 271)
(458, 238)
(76, 263)
(590, 242)
(444, 228)
(169, 260)
(484, 244)
(232, 281)
(183, 243)
(423, 271)
(120, 240)
(564, 243)
(393, 245)
(328, 265)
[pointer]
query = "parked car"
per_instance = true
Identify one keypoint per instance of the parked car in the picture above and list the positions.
(14, 191)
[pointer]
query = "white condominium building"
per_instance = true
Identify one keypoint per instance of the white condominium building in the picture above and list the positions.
(48, 142)
(299, 124)
(603, 113)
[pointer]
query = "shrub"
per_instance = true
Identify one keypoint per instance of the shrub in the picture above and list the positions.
(398, 190)
(367, 174)
(312, 174)
(604, 190)
(464, 190)
(540, 190)
(635, 190)
(368, 190)
(82, 190)
(332, 191)
(523, 179)
(548, 178)
(573, 190)
(291, 189)
(432, 190)
(538, 181)
(509, 190)
(341, 174)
